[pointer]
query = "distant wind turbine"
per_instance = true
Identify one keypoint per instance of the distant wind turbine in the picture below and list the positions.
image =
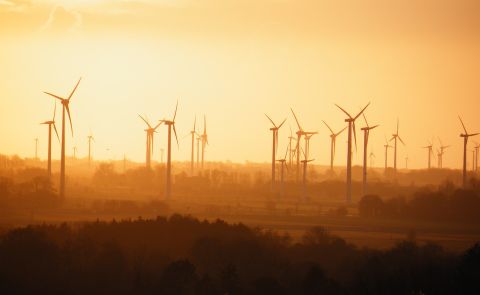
(193, 133)
(429, 147)
(386, 146)
(300, 132)
(274, 130)
(150, 133)
(351, 126)
(65, 104)
(74, 152)
(465, 136)
(170, 124)
(366, 134)
(371, 156)
(396, 136)
(36, 148)
(283, 165)
(441, 152)
(204, 138)
(304, 180)
(476, 147)
(333, 137)
(90, 139)
(50, 124)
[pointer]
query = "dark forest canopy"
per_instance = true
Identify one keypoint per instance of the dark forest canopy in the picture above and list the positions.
(183, 255)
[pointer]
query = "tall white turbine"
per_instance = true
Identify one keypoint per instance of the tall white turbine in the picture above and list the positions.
(351, 126)
(366, 134)
(65, 107)
(465, 136)
(333, 137)
(396, 136)
(50, 124)
(274, 130)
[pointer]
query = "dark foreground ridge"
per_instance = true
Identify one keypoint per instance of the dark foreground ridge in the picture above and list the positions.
(183, 255)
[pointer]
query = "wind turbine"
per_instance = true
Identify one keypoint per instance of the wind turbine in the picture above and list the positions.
(50, 124)
(193, 133)
(396, 136)
(170, 124)
(299, 133)
(465, 136)
(290, 154)
(283, 165)
(386, 146)
(65, 103)
(351, 126)
(274, 130)
(430, 152)
(36, 148)
(476, 148)
(74, 152)
(366, 134)
(406, 162)
(304, 180)
(90, 139)
(441, 152)
(333, 137)
(204, 138)
(150, 132)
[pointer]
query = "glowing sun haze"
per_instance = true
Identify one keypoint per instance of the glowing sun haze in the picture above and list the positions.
(233, 61)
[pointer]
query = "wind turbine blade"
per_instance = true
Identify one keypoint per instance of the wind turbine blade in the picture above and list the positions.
(282, 123)
(204, 125)
(361, 112)
(276, 141)
(344, 111)
(56, 132)
(176, 138)
(54, 110)
(156, 126)
(195, 124)
(74, 89)
(355, 135)
(365, 118)
(271, 121)
(474, 134)
(296, 120)
(175, 114)
(151, 142)
(328, 127)
(286, 152)
(341, 131)
(373, 127)
(56, 96)
(69, 117)
(146, 122)
(463, 125)
(401, 140)
(398, 123)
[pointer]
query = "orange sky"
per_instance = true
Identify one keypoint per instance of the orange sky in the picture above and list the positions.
(235, 61)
